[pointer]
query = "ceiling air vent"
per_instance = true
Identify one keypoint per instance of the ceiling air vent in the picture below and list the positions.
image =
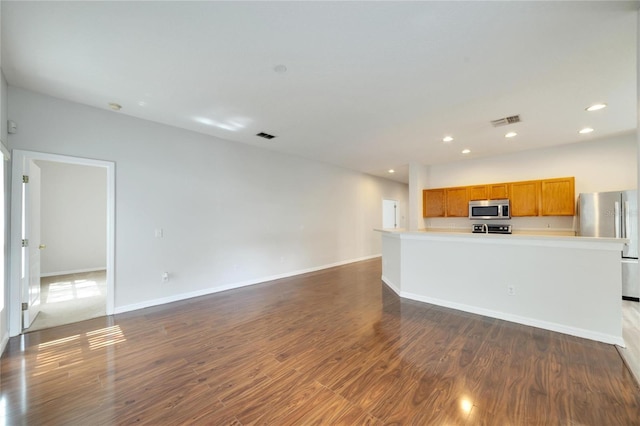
(265, 135)
(505, 121)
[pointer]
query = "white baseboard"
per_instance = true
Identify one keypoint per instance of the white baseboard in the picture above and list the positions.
(391, 285)
(75, 271)
(231, 286)
(560, 328)
(546, 325)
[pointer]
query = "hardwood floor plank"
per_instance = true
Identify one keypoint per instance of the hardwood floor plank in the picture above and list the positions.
(330, 347)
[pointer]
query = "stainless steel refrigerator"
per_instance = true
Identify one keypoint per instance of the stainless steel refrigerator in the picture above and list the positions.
(614, 215)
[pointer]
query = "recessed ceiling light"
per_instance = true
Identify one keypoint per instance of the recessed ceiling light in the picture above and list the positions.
(596, 107)
(510, 135)
(114, 106)
(391, 171)
(586, 130)
(447, 139)
(466, 151)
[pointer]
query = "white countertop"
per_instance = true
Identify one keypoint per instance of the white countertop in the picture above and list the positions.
(544, 238)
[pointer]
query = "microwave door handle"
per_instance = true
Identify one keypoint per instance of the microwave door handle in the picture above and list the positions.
(616, 216)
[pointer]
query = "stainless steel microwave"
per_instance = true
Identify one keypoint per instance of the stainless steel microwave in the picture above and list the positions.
(490, 209)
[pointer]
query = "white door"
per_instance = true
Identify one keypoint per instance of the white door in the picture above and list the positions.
(390, 214)
(30, 275)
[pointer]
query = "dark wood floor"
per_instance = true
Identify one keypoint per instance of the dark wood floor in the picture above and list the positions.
(330, 347)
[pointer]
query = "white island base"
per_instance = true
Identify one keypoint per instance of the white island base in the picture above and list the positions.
(571, 285)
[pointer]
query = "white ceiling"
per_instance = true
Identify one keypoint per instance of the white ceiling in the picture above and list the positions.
(369, 85)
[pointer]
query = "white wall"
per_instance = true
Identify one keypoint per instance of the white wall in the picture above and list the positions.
(607, 164)
(73, 218)
(418, 180)
(231, 213)
(6, 170)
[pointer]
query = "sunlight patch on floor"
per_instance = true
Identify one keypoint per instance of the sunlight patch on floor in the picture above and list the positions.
(68, 350)
(69, 290)
(105, 337)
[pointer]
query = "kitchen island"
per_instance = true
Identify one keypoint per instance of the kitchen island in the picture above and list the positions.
(567, 284)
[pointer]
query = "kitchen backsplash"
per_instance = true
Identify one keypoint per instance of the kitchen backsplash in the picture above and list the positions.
(538, 223)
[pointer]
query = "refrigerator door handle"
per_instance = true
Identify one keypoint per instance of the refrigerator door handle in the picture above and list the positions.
(627, 219)
(616, 215)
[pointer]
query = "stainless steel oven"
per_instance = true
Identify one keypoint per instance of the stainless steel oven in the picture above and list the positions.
(490, 209)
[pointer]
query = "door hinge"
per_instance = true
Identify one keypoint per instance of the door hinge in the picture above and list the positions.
(25, 243)
(25, 179)
(25, 306)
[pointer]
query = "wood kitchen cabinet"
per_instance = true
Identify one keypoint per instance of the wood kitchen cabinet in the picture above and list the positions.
(547, 197)
(494, 191)
(445, 202)
(497, 191)
(479, 192)
(457, 202)
(557, 197)
(525, 198)
(433, 203)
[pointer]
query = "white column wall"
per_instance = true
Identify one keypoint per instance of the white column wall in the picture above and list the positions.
(418, 180)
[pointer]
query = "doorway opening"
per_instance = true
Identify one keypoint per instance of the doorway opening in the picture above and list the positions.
(390, 214)
(62, 261)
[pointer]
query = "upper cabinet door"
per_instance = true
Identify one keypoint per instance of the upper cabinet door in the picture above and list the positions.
(498, 191)
(558, 197)
(457, 202)
(525, 198)
(433, 203)
(479, 192)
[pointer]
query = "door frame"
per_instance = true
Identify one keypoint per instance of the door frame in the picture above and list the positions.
(18, 159)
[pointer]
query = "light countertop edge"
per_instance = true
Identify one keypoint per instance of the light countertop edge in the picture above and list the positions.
(615, 244)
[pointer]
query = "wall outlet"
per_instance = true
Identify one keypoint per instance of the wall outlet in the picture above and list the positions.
(165, 277)
(511, 290)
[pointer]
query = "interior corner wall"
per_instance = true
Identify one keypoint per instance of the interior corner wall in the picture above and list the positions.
(231, 214)
(73, 213)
